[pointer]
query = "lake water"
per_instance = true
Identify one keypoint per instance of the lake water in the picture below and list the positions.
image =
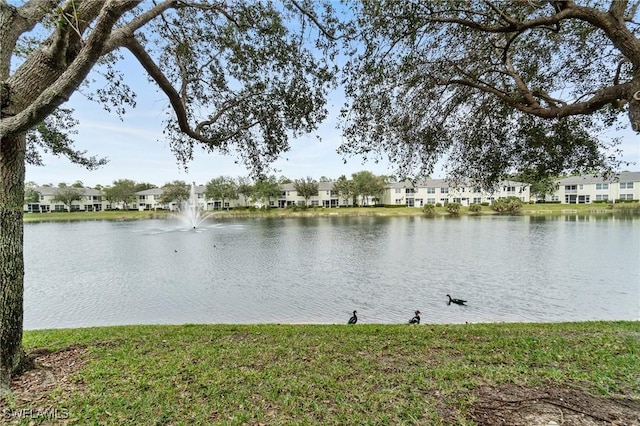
(318, 270)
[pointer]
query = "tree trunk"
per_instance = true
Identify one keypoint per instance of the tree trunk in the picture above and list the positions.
(634, 111)
(12, 174)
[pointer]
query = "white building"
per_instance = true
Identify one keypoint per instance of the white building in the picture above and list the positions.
(326, 197)
(90, 201)
(434, 191)
(587, 189)
(572, 190)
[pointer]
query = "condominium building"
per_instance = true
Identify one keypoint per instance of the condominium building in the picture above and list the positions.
(586, 189)
(90, 200)
(572, 190)
(440, 191)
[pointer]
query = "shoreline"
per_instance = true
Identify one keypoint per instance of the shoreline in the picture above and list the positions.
(627, 209)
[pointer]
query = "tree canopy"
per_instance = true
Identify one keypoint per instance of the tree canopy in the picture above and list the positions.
(239, 77)
(492, 87)
(343, 187)
(266, 188)
(306, 188)
(175, 192)
(122, 191)
(68, 194)
(222, 188)
(366, 185)
(31, 194)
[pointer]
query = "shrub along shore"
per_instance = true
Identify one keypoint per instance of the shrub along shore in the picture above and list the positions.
(332, 374)
(526, 209)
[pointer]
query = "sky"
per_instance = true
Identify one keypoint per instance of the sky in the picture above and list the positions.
(137, 150)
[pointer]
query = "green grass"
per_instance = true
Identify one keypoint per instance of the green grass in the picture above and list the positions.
(329, 374)
(527, 209)
(103, 215)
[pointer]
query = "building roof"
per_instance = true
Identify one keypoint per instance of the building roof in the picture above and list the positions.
(200, 189)
(322, 186)
(152, 191)
(591, 178)
(443, 183)
(51, 190)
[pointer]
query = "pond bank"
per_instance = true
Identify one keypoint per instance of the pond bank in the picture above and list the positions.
(527, 209)
(580, 373)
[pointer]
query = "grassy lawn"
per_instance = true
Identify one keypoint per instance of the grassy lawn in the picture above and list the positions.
(329, 374)
(527, 209)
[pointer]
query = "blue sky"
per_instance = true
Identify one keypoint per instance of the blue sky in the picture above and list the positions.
(137, 150)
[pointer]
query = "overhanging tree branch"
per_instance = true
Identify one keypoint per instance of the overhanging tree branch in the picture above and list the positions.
(72, 77)
(177, 102)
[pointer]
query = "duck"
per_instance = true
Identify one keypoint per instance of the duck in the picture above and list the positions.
(456, 301)
(354, 318)
(416, 318)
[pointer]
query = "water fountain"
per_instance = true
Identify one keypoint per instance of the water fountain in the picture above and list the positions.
(190, 212)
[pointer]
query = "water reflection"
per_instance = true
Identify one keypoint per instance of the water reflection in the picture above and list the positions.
(318, 270)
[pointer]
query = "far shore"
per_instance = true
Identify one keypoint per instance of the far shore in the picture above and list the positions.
(527, 210)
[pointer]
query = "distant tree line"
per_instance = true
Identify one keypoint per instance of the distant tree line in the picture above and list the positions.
(361, 187)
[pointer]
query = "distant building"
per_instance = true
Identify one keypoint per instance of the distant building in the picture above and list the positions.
(586, 189)
(572, 190)
(326, 197)
(92, 200)
(434, 191)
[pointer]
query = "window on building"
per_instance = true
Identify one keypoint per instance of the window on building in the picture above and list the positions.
(398, 200)
(570, 187)
(431, 200)
(602, 197)
(477, 200)
(602, 186)
(398, 190)
(626, 185)
(510, 189)
(444, 190)
(431, 190)
(626, 196)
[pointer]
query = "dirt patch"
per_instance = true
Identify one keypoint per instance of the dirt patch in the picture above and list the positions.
(514, 405)
(53, 370)
(508, 405)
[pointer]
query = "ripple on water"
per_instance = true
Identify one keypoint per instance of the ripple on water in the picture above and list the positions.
(319, 270)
